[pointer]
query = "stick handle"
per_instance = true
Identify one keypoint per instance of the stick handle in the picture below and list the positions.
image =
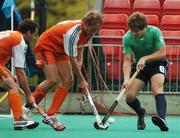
(43, 114)
(133, 77)
(98, 120)
(129, 82)
(111, 109)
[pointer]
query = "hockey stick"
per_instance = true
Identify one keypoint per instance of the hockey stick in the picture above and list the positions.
(98, 124)
(111, 109)
(55, 126)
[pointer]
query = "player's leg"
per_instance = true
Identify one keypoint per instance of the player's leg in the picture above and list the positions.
(46, 60)
(157, 83)
(51, 73)
(132, 92)
(15, 102)
(134, 102)
(66, 75)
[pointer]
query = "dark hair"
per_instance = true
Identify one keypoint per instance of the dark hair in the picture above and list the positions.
(27, 25)
(92, 18)
(137, 21)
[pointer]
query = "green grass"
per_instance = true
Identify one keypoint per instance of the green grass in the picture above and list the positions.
(81, 126)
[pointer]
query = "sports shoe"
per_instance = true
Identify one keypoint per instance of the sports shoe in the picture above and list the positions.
(57, 125)
(141, 125)
(161, 123)
(28, 110)
(24, 123)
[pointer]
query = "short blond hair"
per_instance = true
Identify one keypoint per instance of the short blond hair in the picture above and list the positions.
(92, 18)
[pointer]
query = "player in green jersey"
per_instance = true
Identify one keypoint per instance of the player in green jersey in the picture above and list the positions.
(144, 44)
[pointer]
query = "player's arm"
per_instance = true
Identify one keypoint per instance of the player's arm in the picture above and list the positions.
(76, 68)
(159, 54)
(127, 60)
(126, 70)
(83, 85)
(77, 71)
(23, 82)
(19, 64)
(127, 66)
(160, 45)
(80, 57)
(75, 54)
(76, 63)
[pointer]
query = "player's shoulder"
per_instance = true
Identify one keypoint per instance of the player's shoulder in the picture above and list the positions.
(17, 36)
(69, 23)
(64, 26)
(127, 35)
(17, 33)
(152, 28)
(12, 35)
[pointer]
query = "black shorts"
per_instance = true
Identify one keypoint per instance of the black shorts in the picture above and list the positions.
(150, 69)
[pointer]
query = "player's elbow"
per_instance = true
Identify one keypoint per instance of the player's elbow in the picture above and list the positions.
(163, 52)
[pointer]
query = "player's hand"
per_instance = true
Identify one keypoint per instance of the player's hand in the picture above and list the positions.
(140, 64)
(125, 84)
(83, 86)
(30, 101)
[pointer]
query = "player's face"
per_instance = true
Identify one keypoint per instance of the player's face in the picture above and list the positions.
(138, 33)
(91, 29)
(28, 37)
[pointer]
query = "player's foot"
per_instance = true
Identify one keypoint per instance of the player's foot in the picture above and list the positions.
(57, 125)
(161, 123)
(141, 125)
(24, 123)
(28, 110)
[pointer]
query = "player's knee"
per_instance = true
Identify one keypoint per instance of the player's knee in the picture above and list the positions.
(10, 85)
(15, 89)
(52, 82)
(157, 88)
(67, 82)
(130, 98)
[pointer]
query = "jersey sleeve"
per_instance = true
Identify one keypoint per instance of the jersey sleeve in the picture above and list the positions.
(70, 41)
(126, 45)
(158, 37)
(19, 52)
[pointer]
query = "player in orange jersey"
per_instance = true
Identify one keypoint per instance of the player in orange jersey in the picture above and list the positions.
(59, 52)
(14, 44)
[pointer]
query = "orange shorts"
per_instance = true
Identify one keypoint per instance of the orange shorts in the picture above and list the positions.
(4, 73)
(47, 57)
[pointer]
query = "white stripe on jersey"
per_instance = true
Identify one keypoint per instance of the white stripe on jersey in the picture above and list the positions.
(19, 52)
(70, 41)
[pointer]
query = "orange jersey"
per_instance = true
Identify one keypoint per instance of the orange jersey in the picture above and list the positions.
(13, 45)
(63, 38)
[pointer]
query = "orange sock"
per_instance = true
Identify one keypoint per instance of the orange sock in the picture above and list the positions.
(15, 103)
(38, 95)
(58, 99)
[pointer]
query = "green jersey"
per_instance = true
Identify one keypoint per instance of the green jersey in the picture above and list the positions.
(149, 43)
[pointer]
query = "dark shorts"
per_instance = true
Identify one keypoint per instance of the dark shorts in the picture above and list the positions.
(150, 69)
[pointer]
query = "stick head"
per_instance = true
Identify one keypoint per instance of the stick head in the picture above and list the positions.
(58, 127)
(100, 126)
